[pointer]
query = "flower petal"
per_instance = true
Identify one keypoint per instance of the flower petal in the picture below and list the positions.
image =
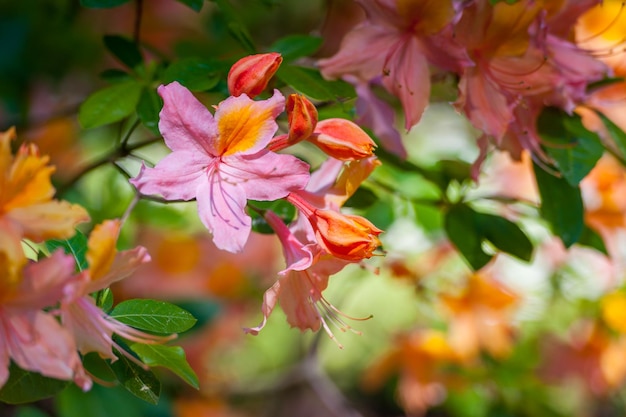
(362, 53)
(49, 220)
(407, 76)
(221, 206)
(246, 126)
(266, 175)
(184, 122)
(177, 176)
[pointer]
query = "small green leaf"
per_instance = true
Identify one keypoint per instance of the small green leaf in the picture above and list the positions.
(574, 148)
(98, 367)
(505, 235)
(617, 134)
(148, 109)
(170, 357)
(296, 46)
(283, 209)
(105, 300)
(153, 316)
(590, 238)
(102, 4)
(195, 5)
(25, 387)
(561, 206)
(140, 382)
(464, 233)
(194, 73)
(309, 81)
(110, 104)
(124, 49)
(75, 246)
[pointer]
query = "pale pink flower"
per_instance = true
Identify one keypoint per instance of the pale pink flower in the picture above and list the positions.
(93, 329)
(221, 160)
(31, 338)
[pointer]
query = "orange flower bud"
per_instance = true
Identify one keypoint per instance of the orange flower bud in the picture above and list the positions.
(345, 236)
(251, 74)
(342, 140)
(302, 116)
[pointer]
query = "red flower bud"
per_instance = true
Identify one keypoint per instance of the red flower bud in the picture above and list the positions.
(342, 140)
(302, 116)
(251, 74)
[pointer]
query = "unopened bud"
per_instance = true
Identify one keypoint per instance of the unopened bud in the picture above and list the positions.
(302, 116)
(342, 139)
(345, 236)
(251, 74)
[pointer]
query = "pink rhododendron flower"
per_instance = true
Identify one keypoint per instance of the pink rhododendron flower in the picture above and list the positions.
(309, 265)
(221, 160)
(93, 329)
(397, 42)
(31, 338)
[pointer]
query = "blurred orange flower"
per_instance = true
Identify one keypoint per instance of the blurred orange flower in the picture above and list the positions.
(480, 317)
(26, 194)
(421, 359)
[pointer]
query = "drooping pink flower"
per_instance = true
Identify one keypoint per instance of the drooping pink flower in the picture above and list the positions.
(396, 43)
(221, 160)
(309, 266)
(30, 337)
(92, 328)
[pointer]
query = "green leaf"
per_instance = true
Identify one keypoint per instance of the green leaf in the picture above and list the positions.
(75, 246)
(102, 4)
(195, 5)
(25, 387)
(124, 49)
(194, 73)
(464, 233)
(148, 109)
(590, 238)
(561, 206)
(140, 382)
(153, 316)
(105, 300)
(296, 46)
(283, 209)
(617, 134)
(170, 357)
(574, 148)
(110, 104)
(310, 82)
(504, 235)
(98, 367)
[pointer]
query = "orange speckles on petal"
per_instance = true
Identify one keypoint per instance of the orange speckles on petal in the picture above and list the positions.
(101, 248)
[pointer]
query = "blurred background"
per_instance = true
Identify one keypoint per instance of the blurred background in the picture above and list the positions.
(539, 338)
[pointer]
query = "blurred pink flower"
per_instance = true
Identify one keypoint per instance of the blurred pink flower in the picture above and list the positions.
(33, 339)
(221, 161)
(397, 42)
(92, 328)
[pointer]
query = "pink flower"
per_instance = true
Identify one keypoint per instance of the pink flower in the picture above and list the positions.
(31, 338)
(309, 265)
(221, 160)
(397, 42)
(92, 328)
